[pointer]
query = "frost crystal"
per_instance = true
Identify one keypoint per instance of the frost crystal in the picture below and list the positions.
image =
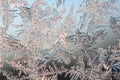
(50, 42)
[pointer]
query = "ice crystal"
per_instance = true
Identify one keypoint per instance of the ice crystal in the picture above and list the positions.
(52, 42)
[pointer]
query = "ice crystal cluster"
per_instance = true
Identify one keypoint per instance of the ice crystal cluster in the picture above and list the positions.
(52, 42)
